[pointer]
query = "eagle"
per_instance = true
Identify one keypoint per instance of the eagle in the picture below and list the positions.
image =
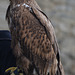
(33, 42)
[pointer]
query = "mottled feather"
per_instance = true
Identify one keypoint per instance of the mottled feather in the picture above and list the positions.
(33, 39)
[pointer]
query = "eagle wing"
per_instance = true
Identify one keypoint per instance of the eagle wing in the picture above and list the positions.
(33, 39)
(41, 16)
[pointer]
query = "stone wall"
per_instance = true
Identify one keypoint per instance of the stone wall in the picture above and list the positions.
(62, 15)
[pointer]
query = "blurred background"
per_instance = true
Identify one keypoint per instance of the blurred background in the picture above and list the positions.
(62, 15)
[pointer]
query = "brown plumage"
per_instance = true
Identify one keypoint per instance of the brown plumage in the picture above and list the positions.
(33, 39)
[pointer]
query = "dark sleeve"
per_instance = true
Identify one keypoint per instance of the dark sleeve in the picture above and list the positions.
(7, 58)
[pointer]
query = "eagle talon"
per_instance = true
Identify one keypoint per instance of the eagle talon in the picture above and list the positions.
(14, 71)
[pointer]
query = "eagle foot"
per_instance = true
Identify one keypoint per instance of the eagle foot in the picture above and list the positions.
(14, 71)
